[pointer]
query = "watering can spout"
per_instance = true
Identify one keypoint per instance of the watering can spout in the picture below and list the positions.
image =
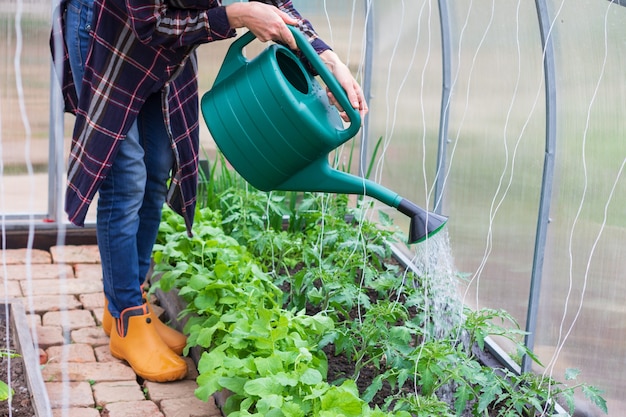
(424, 224)
(320, 177)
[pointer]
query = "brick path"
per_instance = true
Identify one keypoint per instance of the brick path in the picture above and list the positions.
(81, 377)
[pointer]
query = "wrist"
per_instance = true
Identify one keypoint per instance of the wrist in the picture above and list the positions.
(234, 13)
(330, 58)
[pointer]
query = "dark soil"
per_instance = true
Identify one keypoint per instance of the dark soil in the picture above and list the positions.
(20, 405)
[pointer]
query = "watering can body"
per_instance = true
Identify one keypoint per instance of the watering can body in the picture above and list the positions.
(270, 117)
(274, 124)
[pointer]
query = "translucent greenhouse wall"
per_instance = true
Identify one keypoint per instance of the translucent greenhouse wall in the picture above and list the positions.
(476, 155)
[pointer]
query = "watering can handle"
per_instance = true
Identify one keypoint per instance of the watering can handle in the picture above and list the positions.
(331, 82)
(235, 59)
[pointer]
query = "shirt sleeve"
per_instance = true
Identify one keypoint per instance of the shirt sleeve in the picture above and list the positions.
(160, 23)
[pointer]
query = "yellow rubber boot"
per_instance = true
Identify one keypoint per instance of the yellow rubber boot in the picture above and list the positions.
(135, 340)
(172, 337)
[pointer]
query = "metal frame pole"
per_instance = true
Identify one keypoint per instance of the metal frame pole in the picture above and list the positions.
(55, 147)
(446, 58)
(547, 181)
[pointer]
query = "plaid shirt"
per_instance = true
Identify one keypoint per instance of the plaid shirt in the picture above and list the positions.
(140, 47)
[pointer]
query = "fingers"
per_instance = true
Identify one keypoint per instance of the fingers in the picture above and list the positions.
(268, 23)
(353, 92)
(287, 38)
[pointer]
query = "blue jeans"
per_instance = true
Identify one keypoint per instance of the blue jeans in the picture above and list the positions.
(131, 197)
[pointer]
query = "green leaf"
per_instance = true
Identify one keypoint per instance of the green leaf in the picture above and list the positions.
(490, 392)
(341, 401)
(462, 396)
(208, 384)
(292, 410)
(571, 374)
(286, 380)
(268, 403)
(268, 366)
(5, 392)
(375, 386)
(205, 335)
(595, 395)
(427, 381)
(262, 387)
(311, 377)
(234, 384)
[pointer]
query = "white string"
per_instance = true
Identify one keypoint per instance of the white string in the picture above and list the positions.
(59, 168)
(330, 26)
(5, 273)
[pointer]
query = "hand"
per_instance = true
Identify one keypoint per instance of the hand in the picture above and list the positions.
(267, 22)
(346, 80)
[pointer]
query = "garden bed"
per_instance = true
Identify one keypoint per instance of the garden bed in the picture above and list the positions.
(30, 398)
(341, 366)
(297, 305)
(439, 376)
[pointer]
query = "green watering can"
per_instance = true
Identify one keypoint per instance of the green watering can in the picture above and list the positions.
(273, 122)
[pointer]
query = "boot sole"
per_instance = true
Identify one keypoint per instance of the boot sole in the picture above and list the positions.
(158, 377)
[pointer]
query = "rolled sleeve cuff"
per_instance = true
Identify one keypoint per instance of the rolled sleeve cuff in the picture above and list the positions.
(319, 45)
(219, 27)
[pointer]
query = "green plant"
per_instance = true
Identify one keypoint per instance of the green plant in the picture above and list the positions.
(5, 391)
(272, 279)
(265, 355)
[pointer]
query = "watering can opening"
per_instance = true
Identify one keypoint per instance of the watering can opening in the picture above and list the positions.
(292, 71)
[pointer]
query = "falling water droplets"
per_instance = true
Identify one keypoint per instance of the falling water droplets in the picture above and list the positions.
(438, 278)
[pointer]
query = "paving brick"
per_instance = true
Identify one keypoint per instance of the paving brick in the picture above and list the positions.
(117, 391)
(44, 303)
(103, 354)
(37, 271)
(12, 290)
(96, 372)
(69, 394)
(33, 320)
(92, 301)
(189, 407)
(72, 319)
(158, 392)
(88, 271)
(133, 409)
(98, 313)
(49, 336)
(84, 254)
(69, 286)
(25, 256)
(75, 412)
(75, 352)
(93, 336)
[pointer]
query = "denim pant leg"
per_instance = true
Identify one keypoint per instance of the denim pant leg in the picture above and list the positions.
(119, 201)
(129, 206)
(159, 159)
(78, 16)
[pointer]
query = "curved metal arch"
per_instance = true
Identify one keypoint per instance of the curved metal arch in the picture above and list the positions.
(547, 180)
